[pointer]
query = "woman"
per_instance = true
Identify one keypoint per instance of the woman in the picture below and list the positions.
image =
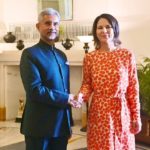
(110, 75)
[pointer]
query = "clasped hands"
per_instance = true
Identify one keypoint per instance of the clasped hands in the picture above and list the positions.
(76, 100)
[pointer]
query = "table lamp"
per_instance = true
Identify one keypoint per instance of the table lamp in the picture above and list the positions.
(85, 39)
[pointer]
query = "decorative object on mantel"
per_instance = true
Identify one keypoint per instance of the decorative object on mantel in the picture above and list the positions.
(20, 109)
(85, 39)
(67, 44)
(20, 44)
(9, 37)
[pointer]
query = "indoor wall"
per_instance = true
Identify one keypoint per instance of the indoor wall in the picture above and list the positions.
(133, 17)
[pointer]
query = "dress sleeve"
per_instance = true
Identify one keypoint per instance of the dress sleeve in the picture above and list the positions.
(86, 87)
(133, 90)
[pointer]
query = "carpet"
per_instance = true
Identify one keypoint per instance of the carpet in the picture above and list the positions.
(21, 146)
(16, 146)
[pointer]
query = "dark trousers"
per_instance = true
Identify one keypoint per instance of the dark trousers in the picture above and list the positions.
(33, 143)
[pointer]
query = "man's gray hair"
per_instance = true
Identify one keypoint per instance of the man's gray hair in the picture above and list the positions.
(48, 11)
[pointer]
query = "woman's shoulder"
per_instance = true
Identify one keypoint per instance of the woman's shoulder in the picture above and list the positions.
(91, 53)
(125, 51)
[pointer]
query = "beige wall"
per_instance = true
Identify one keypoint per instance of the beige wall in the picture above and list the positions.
(20, 11)
(26, 10)
(89, 9)
(133, 16)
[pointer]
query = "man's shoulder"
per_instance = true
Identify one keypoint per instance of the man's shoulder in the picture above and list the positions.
(33, 47)
(31, 51)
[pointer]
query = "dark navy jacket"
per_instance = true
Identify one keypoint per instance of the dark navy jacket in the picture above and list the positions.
(45, 75)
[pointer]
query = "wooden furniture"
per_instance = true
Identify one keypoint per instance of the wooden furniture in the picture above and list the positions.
(144, 135)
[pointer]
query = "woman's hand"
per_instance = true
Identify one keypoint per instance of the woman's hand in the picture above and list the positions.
(75, 100)
(135, 127)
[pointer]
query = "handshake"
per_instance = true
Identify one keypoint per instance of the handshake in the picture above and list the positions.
(76, 100)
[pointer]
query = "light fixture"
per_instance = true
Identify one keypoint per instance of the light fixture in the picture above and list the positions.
(85, 39)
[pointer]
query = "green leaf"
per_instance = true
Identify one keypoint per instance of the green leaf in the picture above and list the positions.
(144, 83)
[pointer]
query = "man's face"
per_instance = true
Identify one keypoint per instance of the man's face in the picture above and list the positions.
(48, 28)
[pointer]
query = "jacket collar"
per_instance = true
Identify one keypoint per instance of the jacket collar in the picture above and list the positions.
(45, 45)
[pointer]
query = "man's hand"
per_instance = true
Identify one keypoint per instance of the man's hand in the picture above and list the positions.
(75, 100)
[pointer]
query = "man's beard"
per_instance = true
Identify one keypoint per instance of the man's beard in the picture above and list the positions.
(56, 38)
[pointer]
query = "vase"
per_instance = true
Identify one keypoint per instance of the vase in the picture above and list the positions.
(20, 45)
(9, 37)
(67, 44)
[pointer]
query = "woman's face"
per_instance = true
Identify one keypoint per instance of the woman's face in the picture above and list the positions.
(104, 31)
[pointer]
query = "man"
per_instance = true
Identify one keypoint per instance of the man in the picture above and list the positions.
(45, 75)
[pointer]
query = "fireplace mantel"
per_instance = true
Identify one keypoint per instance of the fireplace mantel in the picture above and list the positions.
(11, 86)
(75, 57)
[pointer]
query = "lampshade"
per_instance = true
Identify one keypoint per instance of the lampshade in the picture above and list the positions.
(85, 38)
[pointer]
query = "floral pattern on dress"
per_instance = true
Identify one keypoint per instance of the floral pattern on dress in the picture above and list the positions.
(112, 78)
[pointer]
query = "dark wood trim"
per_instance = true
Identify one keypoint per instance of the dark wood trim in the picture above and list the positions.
(144, 135)
(2, 114)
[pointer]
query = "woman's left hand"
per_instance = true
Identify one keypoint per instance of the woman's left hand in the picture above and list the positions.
(135, 127)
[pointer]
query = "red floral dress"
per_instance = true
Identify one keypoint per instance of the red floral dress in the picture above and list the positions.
(112, 78)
